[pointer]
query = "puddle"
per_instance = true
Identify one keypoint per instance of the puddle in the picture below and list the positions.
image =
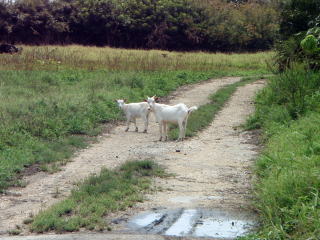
(223, 226)
(148, 218)
(194, 223)
(183, 225)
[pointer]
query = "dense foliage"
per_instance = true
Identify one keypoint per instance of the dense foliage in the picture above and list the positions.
(288, 183)
(288, 111)
(298, 19)
(164, 24)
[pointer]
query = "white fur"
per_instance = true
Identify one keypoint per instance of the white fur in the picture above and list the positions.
(175, 114)
(134, 111)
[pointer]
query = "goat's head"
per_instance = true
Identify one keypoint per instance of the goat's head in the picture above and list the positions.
(121, 102)
(151, 101)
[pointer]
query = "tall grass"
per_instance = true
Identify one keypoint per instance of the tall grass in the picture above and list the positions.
(288, 184)
(93, 58)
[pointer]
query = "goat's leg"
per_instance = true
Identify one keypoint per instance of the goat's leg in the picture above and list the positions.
(128, 124)
(185, 122)
(135, 124)
(146, 121)
(165, 131)
(180, 130)
(160, 129)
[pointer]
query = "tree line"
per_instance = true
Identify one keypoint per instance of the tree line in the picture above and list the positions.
(212, 25)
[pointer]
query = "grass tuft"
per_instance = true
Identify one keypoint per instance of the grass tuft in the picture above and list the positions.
(97, 196)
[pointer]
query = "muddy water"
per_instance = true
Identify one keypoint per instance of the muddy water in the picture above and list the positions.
(194, 223)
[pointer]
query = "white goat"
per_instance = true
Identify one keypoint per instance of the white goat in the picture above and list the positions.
(133, 111)
(175, 114)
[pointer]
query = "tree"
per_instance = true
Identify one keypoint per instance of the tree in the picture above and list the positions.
(5, 21)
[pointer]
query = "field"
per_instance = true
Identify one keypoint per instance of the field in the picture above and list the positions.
(53, 99)
(94, 58)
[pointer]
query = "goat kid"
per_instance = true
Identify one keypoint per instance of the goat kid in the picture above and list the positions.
(170, 114)
(134, 111)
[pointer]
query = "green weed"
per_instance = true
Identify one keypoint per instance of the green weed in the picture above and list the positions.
(97, 196)
(288, 183)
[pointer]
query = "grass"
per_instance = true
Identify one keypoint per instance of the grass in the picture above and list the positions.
(95, 58)
(288, 183)
(98, 196)
(53, 99)
(205, 114)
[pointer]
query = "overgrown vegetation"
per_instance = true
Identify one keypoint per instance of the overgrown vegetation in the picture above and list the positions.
(211, 25)
(288, 111)
(45, 115)
(205, 114)
(94, 58)
(97, 196)
(296, 18)
(287, 189)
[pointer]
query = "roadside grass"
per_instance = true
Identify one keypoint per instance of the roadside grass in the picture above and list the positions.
(287, 185)
(54, 99)
(98, 196)
(205, 114)
(46, 115)
(97, 58)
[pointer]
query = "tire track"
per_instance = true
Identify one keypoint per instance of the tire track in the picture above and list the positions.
(112, 149)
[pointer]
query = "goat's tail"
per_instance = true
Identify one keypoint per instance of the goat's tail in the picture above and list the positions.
(190, 110)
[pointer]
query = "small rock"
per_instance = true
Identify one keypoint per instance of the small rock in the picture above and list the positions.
(178, 150)
(118, 220)
(117, 157)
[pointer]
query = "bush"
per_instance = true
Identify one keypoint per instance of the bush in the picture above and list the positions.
(286, 97)
(296, 17)
(288, 184)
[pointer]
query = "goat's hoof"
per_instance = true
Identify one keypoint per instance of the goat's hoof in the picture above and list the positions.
(126, 130)
(136, 130)
(145, 131)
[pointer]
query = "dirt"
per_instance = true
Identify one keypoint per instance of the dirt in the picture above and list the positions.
(210, 170)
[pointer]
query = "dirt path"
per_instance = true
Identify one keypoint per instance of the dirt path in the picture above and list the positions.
(114, 148)
(212, 170)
